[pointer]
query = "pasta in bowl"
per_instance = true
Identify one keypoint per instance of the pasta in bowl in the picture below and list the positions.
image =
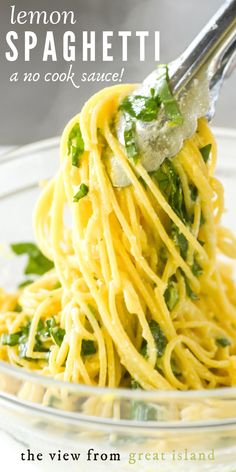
(135, 295)
(131, 289)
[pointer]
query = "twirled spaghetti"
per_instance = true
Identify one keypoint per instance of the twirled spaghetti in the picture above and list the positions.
(140, 295)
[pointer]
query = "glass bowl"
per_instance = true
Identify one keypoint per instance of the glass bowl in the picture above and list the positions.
(126, 429)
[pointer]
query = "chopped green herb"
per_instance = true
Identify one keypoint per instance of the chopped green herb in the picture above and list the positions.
(146, 108)
(142, 181)
(25, 329)
(88, 347)
(54, 401)
(10, 339)
(141, 411)
(179, 240)
(205, 152)
(51, 323)
(39, 346)
(37, 263)
(163, 254)
(135, 385)
(18, 308)
(141, 107)
(25, 283)
(202, 219)
(102, 142)
(159, 338)
(190, 293)
(129, 138)
(93, 310)
(113, 129)
(193, 192)
(162, 178)
(171, 295)
(75, 144)
(57, 335)
(22, 340)
(40, 325)
(223, 342)
(47, 333)
(169, 183)
(196, 268)
(143, 350)
(163, 91)
(175, 368)
(83, 191)
(57, 285)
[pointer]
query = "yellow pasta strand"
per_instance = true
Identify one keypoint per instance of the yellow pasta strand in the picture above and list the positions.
(138, 291)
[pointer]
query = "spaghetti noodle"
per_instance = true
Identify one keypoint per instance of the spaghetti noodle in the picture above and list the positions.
(140, 295)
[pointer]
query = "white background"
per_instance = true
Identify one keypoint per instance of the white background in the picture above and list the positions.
(9, 452)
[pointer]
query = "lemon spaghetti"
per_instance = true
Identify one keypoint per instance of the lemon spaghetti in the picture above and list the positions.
(139, 295)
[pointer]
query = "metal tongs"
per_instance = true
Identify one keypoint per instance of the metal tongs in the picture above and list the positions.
(214, 48)
(211, 54)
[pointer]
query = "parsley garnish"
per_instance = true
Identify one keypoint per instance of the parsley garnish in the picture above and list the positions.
(205, 152)
(88, 347)
(196, 268)
(190, 293)
(57, 335)
(142, 181)
(223, 342)
(162, 178)
(145, 108)
(56, 286)
(163, 90)
(129, 138)
(25, 283)
(175, 368)
(163, 254)
(169, 183)
(135, 385)
(193, 192)
(171, 295)
(82, 192)
(141, 107)
(18, 308)
(10, 339)
(159, 338)
(202, 219)
(75, 144)
(141, 411)
(37, 263)
(179, 240)
(48, 333)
